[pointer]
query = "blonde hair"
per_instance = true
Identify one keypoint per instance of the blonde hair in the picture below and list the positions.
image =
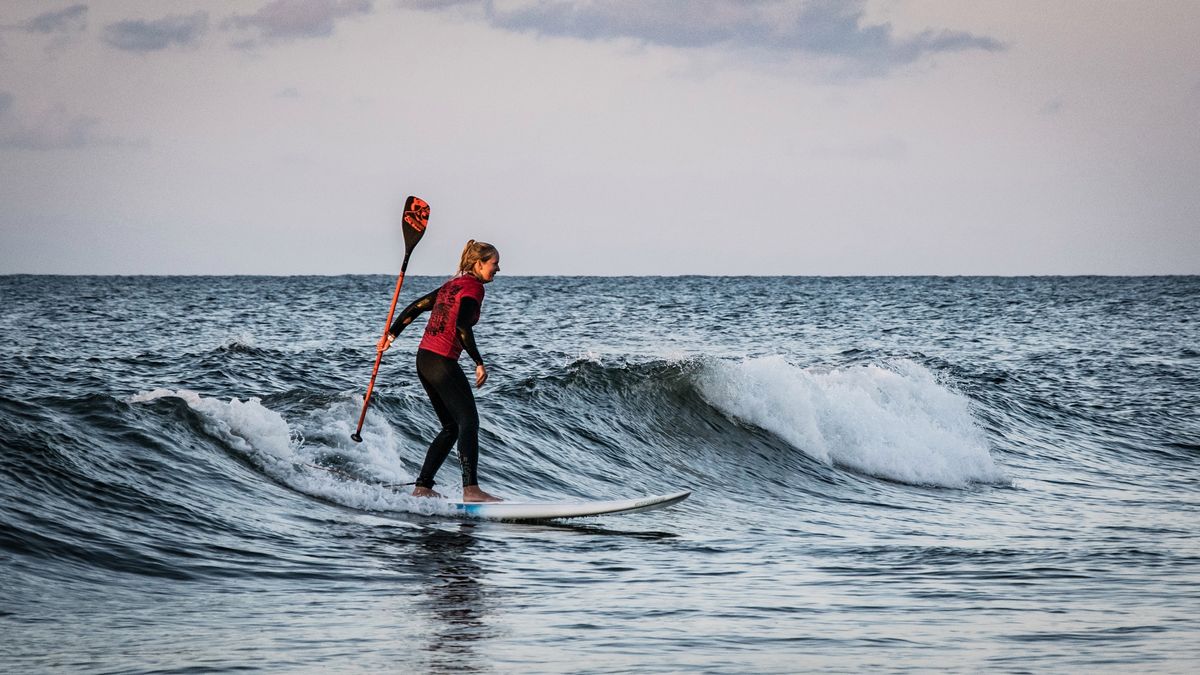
(473, 252)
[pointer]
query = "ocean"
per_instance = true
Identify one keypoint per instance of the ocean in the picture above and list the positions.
(888, 474)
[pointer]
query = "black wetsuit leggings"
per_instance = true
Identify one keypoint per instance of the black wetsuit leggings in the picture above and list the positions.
(454, 404)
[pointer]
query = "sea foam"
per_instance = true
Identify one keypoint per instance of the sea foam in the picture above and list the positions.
(265, 438)
(247, 426)
(896, 422)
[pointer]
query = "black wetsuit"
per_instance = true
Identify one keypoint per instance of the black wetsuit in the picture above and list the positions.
(449, 392)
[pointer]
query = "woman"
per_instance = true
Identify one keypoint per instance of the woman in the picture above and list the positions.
(455, 308)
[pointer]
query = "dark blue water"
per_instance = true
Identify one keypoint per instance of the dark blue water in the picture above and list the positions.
(905, 474)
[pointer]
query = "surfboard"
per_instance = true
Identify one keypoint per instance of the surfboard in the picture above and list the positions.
(518, 511)
(535, 511)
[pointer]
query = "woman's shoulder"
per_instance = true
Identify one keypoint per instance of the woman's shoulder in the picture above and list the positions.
(467, 284)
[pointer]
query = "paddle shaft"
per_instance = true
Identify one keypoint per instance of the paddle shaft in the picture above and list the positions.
(357, 435)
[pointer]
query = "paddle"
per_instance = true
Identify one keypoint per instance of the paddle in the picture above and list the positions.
(416, 218)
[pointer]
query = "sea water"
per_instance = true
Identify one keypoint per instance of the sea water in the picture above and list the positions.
(888, 474)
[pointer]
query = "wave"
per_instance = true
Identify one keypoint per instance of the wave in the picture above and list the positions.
(242, 343)
(358, 475)
(896, 423)
(594, 426)
(209, 466)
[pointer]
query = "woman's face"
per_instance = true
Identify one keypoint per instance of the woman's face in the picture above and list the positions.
(486, 269)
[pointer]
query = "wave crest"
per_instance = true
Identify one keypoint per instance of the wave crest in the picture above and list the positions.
(896, 423)
(264, 437)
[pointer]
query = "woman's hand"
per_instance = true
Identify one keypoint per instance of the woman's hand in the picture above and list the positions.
(385, 343)
(480, 375)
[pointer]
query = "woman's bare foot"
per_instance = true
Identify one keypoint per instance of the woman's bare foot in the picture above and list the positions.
(472, 493)
(420, 491)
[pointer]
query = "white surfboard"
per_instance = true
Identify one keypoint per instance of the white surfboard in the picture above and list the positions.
(532, 511)
(516, 511)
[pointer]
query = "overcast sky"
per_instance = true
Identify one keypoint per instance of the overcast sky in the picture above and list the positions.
(870, 137)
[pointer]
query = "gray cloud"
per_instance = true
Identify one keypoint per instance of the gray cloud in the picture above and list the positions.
(821, 28)
(290, 19)
(53, 130)
(72, 19)
(150, 36)
(1051, 107)
(435, 4)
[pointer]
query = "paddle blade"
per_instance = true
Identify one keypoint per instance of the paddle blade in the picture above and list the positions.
(416, 219)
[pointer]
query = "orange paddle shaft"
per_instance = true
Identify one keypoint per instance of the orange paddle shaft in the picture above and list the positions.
(357, 435)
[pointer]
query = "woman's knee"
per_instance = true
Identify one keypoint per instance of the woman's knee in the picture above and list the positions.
(468, 424)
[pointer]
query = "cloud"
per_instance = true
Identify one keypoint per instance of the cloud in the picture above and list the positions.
(1051, 107)
(63, 25)
(291, 19)
(150, 36)
(836, 29)
(435, 4)
(54, 130)
(73, 19)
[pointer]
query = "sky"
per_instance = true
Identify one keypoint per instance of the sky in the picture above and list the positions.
(621, 137)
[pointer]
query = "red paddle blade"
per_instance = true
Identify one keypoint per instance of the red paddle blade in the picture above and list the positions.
(416, 219)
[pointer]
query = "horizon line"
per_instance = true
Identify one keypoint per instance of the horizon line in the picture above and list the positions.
(630, 276)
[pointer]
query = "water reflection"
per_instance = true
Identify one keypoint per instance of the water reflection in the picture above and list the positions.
(455, 601)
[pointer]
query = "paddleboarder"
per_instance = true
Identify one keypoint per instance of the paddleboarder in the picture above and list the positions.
(455, 309)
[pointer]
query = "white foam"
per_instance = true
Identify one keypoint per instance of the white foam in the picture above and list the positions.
(242, 339)
(896, 422)
(281, 450)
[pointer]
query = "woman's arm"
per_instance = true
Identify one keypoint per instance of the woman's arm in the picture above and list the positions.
(468, 312)
(418, 306)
